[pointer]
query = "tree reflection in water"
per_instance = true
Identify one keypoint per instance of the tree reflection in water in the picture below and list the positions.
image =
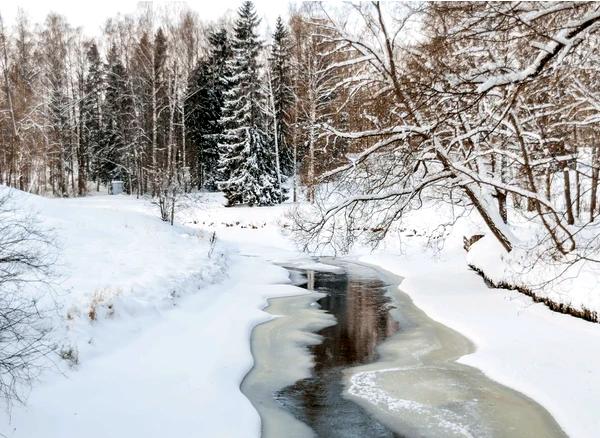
(363, 321)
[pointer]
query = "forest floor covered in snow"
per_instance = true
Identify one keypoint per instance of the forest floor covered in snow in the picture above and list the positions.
(168, 343)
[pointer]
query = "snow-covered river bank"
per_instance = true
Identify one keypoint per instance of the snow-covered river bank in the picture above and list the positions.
(169, 358)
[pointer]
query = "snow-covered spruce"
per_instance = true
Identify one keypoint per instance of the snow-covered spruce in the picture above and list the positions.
(204, 105)
(246, 159)
(282, 94)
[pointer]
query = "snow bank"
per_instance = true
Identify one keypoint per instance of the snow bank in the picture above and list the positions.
(548, 356)
(568, 289)
(168, 356)
(115, 260)
(178, 376)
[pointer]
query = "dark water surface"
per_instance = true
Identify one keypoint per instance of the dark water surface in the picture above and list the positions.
(375, 370)
(356, 299)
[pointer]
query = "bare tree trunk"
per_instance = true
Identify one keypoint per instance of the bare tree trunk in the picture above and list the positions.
(552, 230)
(491, 224)
(499, 234)
(311, 166)
(170, 154)
(173, 207)
(183, 145)
(548, 182)
(311, 148)
(62, 181)
(568, 200)
(81, 160)
(295, 170)
(15, 141)
(154, 132)
(594, 182)
(577, 176)
(577, 194)
(501, 197)
(275, 126)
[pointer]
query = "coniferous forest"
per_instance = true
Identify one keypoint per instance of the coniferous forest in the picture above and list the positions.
(484, 106)
(160, 103)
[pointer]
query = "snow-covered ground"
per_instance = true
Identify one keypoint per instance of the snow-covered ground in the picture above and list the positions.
(116, 260)
(169, 344)
(570, 283)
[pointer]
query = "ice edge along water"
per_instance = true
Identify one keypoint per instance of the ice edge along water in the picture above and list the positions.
(419, 399)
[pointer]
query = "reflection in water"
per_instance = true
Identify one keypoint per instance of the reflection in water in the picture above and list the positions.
(363, 322)
(407, 379)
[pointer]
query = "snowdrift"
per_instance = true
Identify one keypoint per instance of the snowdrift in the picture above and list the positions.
(115, 259)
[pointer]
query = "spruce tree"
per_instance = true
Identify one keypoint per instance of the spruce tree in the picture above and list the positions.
(160, 105)
(141, 76)
(92, 135)
(204, 106)
(246, 160)
(283, 97)
(117, 121)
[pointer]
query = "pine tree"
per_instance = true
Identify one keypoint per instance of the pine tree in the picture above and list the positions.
(283, 96)
(246, 159)
(204, 106)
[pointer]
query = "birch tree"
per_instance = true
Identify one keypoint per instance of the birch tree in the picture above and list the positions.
(457, 113)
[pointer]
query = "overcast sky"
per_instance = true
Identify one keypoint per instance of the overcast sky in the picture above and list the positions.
(91, 15)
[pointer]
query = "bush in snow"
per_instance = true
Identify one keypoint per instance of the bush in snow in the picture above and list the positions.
(24, 260)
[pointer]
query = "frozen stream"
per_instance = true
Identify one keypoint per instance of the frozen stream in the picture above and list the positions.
(376, 367)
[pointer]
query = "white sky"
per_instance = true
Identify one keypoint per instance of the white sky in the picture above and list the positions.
(91, 14)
